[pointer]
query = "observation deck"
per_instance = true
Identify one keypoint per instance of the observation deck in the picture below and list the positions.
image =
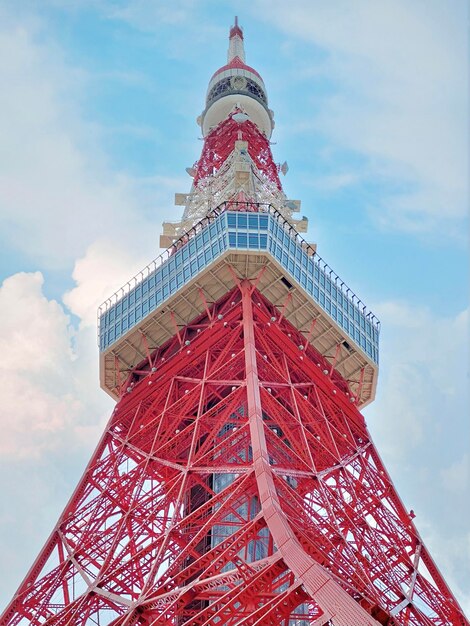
(236, 241)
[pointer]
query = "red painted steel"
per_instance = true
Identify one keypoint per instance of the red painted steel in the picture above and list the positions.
(220, 143)
(235, 484)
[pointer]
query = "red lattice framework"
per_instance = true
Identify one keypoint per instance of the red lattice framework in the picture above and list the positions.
(220, 143)
(308, 525)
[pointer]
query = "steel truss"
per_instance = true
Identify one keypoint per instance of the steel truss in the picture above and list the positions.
(215, 179)
(307, 526)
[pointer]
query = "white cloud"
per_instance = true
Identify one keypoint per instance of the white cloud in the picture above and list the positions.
(42, 374)
(52, 415)
(101, 272)
(419, 423)
(423, 379)
(452, 554)
(400, 75)
(57, 191)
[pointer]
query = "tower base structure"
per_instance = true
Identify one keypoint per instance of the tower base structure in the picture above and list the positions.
(235, 484)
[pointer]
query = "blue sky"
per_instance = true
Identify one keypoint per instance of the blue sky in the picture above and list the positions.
(98, 107)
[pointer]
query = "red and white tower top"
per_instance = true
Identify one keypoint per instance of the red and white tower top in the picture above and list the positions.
(236, 48)
(236, 84)
(236, 163)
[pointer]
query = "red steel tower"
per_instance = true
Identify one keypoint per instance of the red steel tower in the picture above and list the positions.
(236, 482)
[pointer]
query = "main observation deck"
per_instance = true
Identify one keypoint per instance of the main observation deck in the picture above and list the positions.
(239, 239)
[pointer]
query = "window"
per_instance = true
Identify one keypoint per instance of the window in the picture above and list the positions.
(242, 221)
(253, 221)
(242, 240)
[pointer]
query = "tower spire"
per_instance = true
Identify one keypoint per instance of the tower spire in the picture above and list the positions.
(236, 47)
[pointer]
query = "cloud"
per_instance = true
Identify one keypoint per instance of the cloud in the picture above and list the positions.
(398, 97)
(422, 385)
(58, 192)
(52, 415)
(98, 274)
(419, 423)
(44, 368)
(452, 554)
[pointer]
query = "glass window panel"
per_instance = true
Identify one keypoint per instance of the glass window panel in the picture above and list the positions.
(242, 240)
(242, 221)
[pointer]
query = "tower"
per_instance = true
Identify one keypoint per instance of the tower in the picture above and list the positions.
(236, 482)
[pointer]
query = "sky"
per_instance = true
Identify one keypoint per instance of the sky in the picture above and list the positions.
(97, 125)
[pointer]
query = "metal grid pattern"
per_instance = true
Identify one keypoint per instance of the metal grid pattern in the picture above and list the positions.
(231, 396)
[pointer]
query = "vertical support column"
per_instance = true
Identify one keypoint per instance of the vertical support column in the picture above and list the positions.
(335, 603)
(255, 413)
